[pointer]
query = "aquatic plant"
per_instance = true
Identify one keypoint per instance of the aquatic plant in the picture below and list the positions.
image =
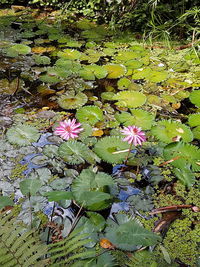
(168, 131)
(183, 155)
(75, 152)
(71, 100)
(195, 97)
(89, 114)
(22, 135)
(68, 129)
(139, 117)
(111, 149)
(115, 70)
(130, 99)
(194, 119)
(134, 135)
(91, 72)
(92, 189)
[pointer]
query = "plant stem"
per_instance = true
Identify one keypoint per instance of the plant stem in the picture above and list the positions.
(30, 206)
(75, 220)
(51, 218)
(129, 151)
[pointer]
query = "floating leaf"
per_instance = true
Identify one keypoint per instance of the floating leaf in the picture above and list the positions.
(108, 145)
(69, 54)
(75, 152)
(5, 201)
(18, 49)
(196, 132)
(92, 189)
(91, 72)
(185, 175)
(41, 60)
(30, 186)
(194, 119)
(123, 83)
(195, 97)
(130, 99)
(115, 70)
(89, 114)
(183, 155)
(72, 100)
(22, 135)
(130, 235)
(139, 117)
(166, 131)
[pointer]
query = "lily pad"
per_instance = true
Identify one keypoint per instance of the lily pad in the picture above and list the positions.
(91, 72)
(130, 99)
(70, 54)
(107, 147)
(89, 114)
(22, 135)
(115, 70)
(195, 97)
(168, 131)
(18, 49)
(75, 152)
(72, 100)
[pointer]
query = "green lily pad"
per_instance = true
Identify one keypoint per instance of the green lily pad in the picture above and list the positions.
(108, 145)
(195, 97)
(71, 100)
(70, 54)
(22, 135)
(91, 72)
(89, 114)
(167, 131)
(18, 49)
(115, 70)
(92, 189)
(130, 99)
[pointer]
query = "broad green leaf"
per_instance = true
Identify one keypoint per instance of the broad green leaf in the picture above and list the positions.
(30, 186)
(5, 201)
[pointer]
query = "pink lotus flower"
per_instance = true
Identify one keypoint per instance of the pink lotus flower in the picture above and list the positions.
(134, 135)
(68, 129)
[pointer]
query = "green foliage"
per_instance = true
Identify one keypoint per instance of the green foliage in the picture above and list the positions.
(89, 114)
(106, 147)
(166, 131)
(70, 249)
(75, 152)
(5, 201)
(130, 235)
(18, 246)
(91, 189)
(71, 100)
(130, 99)
(22, 134)
(30, 186)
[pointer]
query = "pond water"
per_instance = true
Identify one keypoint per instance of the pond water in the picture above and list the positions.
(52, 70)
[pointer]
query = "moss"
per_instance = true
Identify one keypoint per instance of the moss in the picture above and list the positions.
(17, 172)
(43, 218)
(181, 241)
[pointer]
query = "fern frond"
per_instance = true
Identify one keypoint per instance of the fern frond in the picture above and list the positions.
(18, 246)
(70, 248)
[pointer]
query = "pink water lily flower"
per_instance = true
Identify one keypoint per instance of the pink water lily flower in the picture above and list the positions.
(68, 129)
(134, 135)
